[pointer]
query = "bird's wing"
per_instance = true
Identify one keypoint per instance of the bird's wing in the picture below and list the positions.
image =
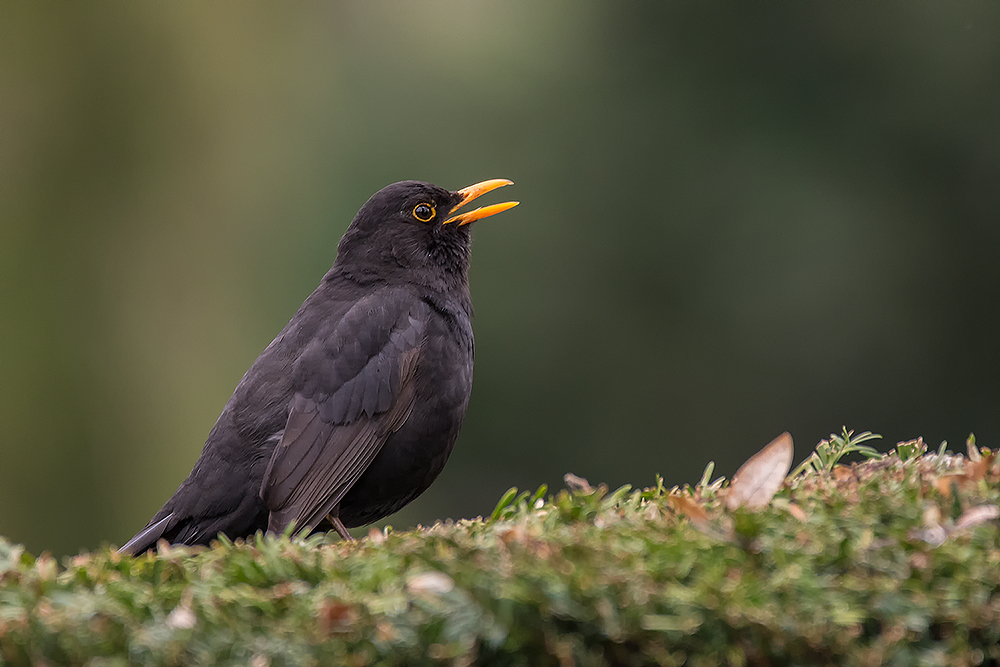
(356, 389)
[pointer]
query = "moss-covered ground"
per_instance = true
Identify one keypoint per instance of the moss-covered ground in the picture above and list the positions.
(890, 561)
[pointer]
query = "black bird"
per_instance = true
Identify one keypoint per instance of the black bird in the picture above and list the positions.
(352, 411)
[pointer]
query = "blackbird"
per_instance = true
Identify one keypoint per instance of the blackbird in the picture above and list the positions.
(352, 411)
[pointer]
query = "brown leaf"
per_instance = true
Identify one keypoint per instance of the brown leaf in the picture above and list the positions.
(334, 616)
(797, 512)
(699, 517)
(689, 508)
(945, 482)
(974, 472)
(975, 516)
(977, 470)
(515, 534)
(842, 472)
(577, 483)
(756, 482)
(920, 560)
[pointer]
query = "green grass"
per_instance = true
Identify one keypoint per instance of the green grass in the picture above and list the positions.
(876, 563)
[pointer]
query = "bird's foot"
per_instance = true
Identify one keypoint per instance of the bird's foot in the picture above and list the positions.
(339, 527)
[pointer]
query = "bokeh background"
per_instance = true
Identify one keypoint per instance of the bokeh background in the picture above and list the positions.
(736, 220)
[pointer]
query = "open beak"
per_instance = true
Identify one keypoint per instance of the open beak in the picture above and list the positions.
(477, 190)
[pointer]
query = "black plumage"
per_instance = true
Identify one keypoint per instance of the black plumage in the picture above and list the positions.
(352, 410)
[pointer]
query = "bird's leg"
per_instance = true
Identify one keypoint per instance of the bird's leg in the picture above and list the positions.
(339, 526)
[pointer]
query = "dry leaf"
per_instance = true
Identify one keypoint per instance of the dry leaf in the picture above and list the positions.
(335, 616)
(933, 532)
(974, 472)
(689, 508)
(842, 472)
(932, 515)
(934, 536)
(920, 560)
(756, 482)
(977, 470)
(438, 583)
(181, 618)
(797, 512)
(577, 483)
(945, 482)
(699, 517)
(975, 516)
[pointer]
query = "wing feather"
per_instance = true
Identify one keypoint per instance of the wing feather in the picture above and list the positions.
(359, 391)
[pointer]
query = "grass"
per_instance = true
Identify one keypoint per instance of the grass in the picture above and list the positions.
(891, 561)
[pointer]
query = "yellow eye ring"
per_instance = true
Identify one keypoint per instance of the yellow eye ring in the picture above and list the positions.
(424, 212)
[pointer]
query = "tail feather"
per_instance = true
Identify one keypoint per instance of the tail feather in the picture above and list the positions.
(146, 538)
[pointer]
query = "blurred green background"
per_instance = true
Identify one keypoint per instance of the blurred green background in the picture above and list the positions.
(735, 220)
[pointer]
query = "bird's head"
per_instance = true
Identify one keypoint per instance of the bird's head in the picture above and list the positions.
(414, 228)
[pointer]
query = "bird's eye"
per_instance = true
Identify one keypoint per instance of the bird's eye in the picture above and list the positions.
(423, 212)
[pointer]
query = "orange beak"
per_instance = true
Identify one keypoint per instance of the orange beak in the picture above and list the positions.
(477, 190)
